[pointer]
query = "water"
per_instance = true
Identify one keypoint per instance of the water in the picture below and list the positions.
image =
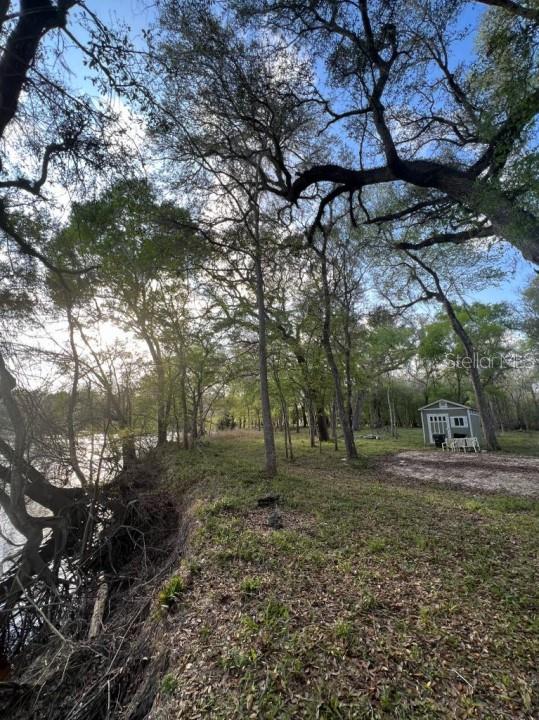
(99, 460)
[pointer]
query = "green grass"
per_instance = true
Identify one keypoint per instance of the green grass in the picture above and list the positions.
(409, 439)
(169, 684)
(517, 442)
(171, 592)
(250, 585)
(376, 600)
(520, 442)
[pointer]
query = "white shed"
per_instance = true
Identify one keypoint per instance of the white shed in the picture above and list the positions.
(450, 419)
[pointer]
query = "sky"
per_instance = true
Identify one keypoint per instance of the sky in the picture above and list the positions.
(139, 14)
(136, 13)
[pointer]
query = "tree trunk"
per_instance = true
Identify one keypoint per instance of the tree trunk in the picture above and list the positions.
(157, 357)
(72, 403)
(312, 422)
(289, 452)
(348, 359)
(161, 404)
(200, 406)
(322, 424)
(37, 487)
(334, 425)
(185, 411)
(459, 386)
(129, 452)
(487, 420)
(358, 410)
(269, 439)
(176, 419)
(344, 417)
(34, 21)
(194, 419)
(392, 418)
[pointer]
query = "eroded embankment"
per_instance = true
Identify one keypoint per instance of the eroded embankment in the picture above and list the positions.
(360, 597)
(67, 675)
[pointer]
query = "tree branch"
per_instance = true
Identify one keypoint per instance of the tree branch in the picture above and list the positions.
(514, 8)
(36, 18)
(456, 238)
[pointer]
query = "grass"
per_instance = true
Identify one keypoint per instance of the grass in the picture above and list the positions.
(519, 442)
(376, 600)
(250, 585)
(171, 592)
(169, 684)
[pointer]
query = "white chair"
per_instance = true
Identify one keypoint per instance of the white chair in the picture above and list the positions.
(461, 444)
(468, 443)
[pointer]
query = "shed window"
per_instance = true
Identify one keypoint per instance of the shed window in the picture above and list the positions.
(459, 422)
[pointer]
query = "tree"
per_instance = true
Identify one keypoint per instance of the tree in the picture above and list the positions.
(218, 86)
(440, 295)
(385, 347)
(452, 130)
(531, 311)
(294, 319)
(51, 130)
(141, 247)
(344, 412)
(26, 481)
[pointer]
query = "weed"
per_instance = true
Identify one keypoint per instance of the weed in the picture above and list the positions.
(275, 613)
(171, 592)
(343, 630)
(194, 567)
(377, 544)
(249, 625)
(513, 505)
(221, 506)
(237, 660)
(244, 546)
(389, 698)
(250, 585)
(169, 684)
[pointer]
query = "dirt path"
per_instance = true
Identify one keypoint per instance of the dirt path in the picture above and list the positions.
(511, 474)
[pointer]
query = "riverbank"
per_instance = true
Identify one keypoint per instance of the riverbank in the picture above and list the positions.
(373, 600)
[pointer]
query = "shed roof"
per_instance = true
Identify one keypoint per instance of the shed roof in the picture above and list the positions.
(448, 404)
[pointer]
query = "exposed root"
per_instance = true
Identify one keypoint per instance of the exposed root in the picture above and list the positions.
(61, 674)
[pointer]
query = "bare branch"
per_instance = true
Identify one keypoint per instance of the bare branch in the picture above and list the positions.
(456, 238)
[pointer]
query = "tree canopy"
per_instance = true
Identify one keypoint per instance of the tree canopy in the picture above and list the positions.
(268, 217)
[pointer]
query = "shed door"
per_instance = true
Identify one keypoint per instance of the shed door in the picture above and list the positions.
(438, 424)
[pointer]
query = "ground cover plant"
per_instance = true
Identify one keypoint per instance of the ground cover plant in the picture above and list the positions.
(376, 599)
